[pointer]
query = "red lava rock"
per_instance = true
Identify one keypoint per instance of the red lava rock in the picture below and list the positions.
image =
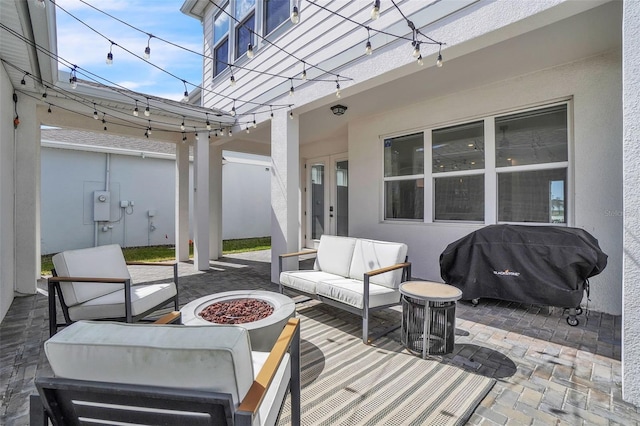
(237, 311)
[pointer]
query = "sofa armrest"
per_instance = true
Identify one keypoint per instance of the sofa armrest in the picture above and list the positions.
(170, 318)
(289, 338)
(388, 268)
(298, 253)
(101, 280)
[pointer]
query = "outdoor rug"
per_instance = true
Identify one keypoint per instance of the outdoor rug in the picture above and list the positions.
(345, 382)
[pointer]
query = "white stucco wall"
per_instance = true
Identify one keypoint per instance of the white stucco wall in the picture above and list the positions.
(594, 84)
(7, 236)
(631, 182)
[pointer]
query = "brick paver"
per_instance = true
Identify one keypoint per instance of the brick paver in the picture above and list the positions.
(547, 372)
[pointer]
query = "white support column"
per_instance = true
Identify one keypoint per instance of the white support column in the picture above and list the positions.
(27, 197)
(215, 202)
(201, 205)
(631, 199)
(285, 190)
(182, 202)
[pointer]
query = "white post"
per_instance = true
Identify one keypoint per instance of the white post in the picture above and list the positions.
(215, 202)
(201, 204)
(285, 190)
(182, 202)
(631, 197)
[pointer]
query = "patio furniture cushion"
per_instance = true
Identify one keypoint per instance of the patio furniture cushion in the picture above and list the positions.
(102, 261)
(216, 359)
(334, 255)
(370, 254)
(350, 291)
(143, 298)
(305, 280)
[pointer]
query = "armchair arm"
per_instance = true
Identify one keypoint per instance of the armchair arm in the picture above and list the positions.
(169, 318)
(388, 268)
(289, 338)
(298, 253)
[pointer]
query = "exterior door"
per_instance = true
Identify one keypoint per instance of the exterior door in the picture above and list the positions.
(327, 198)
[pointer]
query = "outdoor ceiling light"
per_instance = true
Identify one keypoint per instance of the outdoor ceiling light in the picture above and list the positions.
(338, 109)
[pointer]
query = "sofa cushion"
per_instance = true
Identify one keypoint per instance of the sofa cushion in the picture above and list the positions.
(305, 280)
(209, 358)
(350, 291)
(334, 254)
(272, 402)
(143, 298)
(102, 261)
(370, 254)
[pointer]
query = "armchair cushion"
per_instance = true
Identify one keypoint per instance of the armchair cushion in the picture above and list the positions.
(102, 261)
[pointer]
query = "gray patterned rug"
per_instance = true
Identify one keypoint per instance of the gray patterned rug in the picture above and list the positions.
(345, 382)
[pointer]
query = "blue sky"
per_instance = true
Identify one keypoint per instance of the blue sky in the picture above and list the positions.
(162, 18)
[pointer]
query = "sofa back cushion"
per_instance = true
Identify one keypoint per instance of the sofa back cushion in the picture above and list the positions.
(370, 254)
(102, 261)
(334, 254)
(207, 358)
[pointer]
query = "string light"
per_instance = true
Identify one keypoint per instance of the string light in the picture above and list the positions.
(208, 122)
(439, 60)
(304, 71)
(73, 80)
(250, 53)
(184, 137)
(254, 121)
(104, 121)
(295, 15)
(147, 111)
(291, 90)
(182, 125)
(195, 134)
(291, 114)
(420, 61)
(44, 95)
(109, 60)
(149, 127)
(230, 132)
(368, 50)
(248, 131)
(375, 11)
(95, 112)
(49, 110)
(185, 98)
(416, 49)
(222, 133)
(147, 50)
(23, 82)
(135, 110)
(233, 109)
(338, 92)
(232, 79)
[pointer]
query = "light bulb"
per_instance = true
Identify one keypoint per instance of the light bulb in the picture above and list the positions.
(73, 82)
(232, 80)
(295, 16)
(109, 60)
(304, 75)
(147, 113)
(230, 132)
(291, 115)
(182, 125)
(233, 111)
(439, 61)
(416, 51)
(95, 115)
(185, 98)
(375, 11)
(149, 130)
(250, 53)
(338, 92)
(222, 132)
(135, 112)
(255, 125)
(291, 91)
(208, 125)
(368, 50)
(420, 61)
(147, 52)
(248, 131)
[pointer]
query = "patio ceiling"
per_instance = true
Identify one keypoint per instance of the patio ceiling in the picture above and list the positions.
(494, 57)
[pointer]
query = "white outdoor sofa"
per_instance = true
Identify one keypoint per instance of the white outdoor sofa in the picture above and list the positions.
(354, 274)
(150, 374)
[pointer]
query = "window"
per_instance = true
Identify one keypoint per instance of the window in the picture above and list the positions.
(221, 40)
(275, 13)
(526, 166)
(455, 150)
(246, 26)
(404, 177)
(537, 141)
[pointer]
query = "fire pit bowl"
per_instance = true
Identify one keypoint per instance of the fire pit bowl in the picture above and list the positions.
(262, 333)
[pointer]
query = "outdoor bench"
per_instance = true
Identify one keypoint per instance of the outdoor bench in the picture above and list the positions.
(354, 274)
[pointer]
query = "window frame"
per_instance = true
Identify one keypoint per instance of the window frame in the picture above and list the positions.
(490, 171)
(216, 44)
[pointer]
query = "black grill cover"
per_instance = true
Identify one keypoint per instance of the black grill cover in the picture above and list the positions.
(546, 265)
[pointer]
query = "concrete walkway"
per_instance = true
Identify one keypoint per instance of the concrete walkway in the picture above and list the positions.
(547, 372)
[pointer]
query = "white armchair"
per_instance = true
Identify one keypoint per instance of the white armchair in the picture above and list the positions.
(116, 373)
(94, 283)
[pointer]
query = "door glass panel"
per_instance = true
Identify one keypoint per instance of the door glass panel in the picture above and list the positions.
(317, 201)
(342, 198)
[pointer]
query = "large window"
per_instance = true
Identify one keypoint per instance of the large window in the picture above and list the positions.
(518, 174)
(404, 177)
(238, 23)
(456, 150)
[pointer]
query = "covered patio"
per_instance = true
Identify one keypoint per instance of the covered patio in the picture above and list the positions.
(545, 371)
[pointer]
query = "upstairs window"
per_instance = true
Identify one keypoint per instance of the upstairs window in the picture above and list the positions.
(275, 13)
(221, 40)
(246, 26)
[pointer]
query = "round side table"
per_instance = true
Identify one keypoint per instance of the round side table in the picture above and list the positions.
(428, 316)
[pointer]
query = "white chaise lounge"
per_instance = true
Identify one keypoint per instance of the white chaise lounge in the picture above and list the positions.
(354, 274)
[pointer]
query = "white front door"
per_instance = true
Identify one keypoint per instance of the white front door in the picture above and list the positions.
(327, 198)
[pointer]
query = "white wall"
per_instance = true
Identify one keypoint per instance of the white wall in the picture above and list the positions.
(595, 85)
(69, 178)
(7, 236)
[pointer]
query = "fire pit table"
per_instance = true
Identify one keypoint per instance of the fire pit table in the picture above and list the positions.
(264, 332)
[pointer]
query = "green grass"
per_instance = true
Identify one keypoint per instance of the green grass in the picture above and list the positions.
(163, 253)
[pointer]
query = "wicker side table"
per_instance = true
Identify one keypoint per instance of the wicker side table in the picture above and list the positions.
(428, 317)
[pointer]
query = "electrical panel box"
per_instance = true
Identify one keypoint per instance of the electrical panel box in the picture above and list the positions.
(101, 206)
